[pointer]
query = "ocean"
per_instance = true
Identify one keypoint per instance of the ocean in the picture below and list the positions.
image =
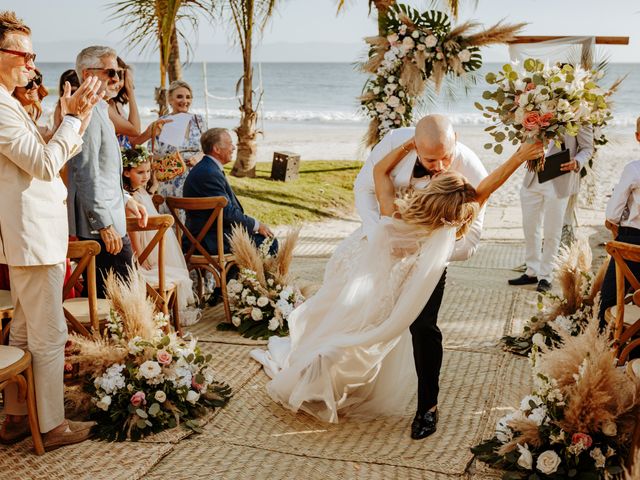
(321, 94)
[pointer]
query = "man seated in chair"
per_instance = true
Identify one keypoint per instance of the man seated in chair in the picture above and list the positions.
(207, 179)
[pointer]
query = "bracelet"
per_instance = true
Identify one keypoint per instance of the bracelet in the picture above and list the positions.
(72, 115)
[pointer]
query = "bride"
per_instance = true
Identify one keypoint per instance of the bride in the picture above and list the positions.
(349, 352)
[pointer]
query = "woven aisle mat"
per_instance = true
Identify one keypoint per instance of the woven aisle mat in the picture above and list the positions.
(232, 365)
(91, 460)
(468, 379)
(525, 308)
(206, 329)
(212, 459)
(515, 382)
(474, 318)
(506, 255)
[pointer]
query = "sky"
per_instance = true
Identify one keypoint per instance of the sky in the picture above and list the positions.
(310, 30)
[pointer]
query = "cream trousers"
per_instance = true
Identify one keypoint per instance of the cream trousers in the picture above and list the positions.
(39, 326)
(542, 214)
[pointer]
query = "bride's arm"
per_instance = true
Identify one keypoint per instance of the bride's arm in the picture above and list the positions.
(385, 191)
(527, 151)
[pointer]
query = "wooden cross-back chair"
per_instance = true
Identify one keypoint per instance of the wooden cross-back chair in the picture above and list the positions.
(84, 315)
(164, 294)
(196, 256)
(624, 316)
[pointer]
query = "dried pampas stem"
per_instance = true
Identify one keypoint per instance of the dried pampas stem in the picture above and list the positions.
(497, 33)
(528, 432)
(285, 256)
(246, 253)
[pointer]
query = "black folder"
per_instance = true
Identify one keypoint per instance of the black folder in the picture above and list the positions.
(552, 166)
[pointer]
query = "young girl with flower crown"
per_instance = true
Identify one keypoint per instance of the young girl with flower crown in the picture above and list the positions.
(136, 176)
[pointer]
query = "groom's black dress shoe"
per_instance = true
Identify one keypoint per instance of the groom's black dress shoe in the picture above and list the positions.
(424, 424)
(524, 279)
(543, 286)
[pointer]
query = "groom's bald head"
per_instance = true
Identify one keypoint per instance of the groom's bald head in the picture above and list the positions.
(435, 142)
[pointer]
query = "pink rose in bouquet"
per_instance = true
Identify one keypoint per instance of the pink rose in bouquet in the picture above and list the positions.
(531, 120)
(545, 120)
(164, 357)
(582, 438)
(138, 399)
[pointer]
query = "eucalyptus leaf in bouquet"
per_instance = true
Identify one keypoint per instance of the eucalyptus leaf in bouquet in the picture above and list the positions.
(537, 102)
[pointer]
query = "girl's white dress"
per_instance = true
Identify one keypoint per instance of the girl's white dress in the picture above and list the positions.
(349, 352)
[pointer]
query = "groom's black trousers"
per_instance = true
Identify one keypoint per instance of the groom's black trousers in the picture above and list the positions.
(427, 348)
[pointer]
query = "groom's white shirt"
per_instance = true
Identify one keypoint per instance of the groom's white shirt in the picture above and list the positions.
(465, 162)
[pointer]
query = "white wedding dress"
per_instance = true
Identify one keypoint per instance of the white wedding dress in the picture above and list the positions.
(349, 352)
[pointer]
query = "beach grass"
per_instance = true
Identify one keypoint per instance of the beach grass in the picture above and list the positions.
(323, 191)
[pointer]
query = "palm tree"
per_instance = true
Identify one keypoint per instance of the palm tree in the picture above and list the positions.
(248, 17)
(156, 23)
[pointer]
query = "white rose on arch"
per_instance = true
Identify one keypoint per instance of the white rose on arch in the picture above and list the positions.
(464, 55)
(381, 107)
(548, 462)
(408, 43)
(393, 38)
(393, 101)
(431, 41)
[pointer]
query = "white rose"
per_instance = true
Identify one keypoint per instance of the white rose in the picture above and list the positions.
(431, 41)
(526, 459)
(464, 55)
(415, 34)
(392, 38)
(149, 369)
(402, 29)
(263, 301)
(598, 457)
(381, 107)
(160, 396)
(236, 321)
(192, 397)
(538, 339)
(273, 324)
(421, 47)
(393, 101)
(392, 115)
(610, 429)
(439, 56)
(104, 403)
(376, 91)
(408, 43)
(401, 109)
(251, 300)
(548, 462)
(256, 314)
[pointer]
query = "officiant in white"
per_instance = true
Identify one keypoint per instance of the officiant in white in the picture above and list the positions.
(544, 206)
(436, 150)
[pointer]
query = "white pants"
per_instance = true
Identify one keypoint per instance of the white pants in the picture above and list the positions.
(542, 211)
(39, 326)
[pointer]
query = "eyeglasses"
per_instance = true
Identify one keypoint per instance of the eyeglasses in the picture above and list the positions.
(28, 57)
(35, 82)
(111, 72)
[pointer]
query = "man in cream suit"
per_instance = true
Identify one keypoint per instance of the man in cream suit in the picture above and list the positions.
(436, 150)
(96, 197)
(34, 235)
(543, 210)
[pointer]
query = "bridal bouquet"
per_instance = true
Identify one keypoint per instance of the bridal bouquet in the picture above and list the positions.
(140, 380)
(543, 103)
(263, 296)
(579, 420)
(569, 312)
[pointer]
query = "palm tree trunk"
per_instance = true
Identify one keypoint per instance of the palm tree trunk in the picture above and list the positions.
(245, 165)
(174, 67)
(161, 94)
(382, 6)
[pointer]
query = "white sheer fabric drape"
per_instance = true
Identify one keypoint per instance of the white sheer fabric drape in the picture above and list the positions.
(574, 50)
(349, 352)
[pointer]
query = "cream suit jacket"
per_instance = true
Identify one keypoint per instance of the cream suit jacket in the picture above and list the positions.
(33, 212)
(465, 162)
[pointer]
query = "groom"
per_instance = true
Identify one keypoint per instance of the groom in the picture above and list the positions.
(436, 150)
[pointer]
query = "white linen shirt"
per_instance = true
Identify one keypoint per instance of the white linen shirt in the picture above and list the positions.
(623, 207)
(465, 161)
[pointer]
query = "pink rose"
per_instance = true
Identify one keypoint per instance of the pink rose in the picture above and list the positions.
(530, 86)
(138, 399)
(197, 386)
(68, 367)
(164, 357)
(545, 120)
(531, 120)
(582, 438)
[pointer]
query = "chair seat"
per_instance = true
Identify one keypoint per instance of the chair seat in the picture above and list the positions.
(9, 356)
(202, 260)
(5, 300)
(631, 314)
(79, 308)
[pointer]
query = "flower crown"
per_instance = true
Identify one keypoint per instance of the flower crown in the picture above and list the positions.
(133, 157)
(456, 223)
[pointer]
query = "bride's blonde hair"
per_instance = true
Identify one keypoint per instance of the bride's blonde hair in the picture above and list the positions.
(448, 200)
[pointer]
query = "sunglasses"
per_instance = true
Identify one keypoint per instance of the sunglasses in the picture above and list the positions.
(35, 82)
(28, 57)
(111, 72)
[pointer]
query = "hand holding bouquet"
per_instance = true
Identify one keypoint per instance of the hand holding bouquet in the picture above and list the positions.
(543, 103)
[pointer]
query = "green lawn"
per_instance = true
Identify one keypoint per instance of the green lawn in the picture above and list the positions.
(324, 190)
